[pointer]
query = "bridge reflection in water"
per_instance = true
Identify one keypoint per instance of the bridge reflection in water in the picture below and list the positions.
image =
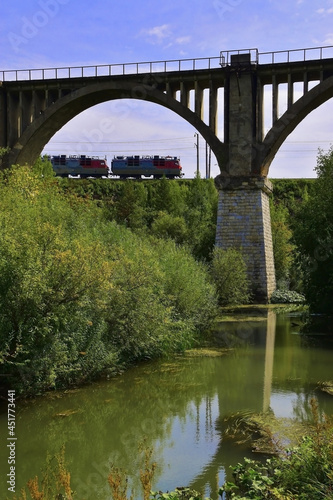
(253, 340)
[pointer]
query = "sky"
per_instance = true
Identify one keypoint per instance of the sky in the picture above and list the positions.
(57, 33)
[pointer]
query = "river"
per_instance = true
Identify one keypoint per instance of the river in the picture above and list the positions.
(177, 407)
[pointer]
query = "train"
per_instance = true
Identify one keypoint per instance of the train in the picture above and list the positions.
(84, 166)
(156, 166)
(121, 166)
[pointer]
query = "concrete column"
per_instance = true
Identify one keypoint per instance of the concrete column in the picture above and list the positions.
(26, 109)
(213, 108)
(243, 223)
(184, 94)
(275, 97)
(13, 117)
(198, 99)
(290, 91)
(240, 118)
(38, 102)
(171, 90)
(306, 83)
(3, 122)
(260, 108)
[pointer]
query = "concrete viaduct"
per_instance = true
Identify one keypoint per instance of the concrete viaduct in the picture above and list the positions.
(35, 104)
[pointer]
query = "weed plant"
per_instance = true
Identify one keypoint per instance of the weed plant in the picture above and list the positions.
(303, 472)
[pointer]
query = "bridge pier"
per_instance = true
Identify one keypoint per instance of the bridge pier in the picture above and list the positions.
(243, 220)
(243, 223)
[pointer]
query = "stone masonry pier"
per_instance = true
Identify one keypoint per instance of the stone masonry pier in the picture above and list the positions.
(244, 223)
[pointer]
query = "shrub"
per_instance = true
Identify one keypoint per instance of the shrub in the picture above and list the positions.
(80, 295)
(301, 473)
(168, 226)
(228, 270)
(287, 297)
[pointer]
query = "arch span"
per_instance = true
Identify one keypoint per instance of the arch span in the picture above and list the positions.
(37, 134)
(288, 122)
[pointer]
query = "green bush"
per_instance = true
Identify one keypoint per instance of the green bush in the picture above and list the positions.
(80, 295)
(287, 297)
(166, 226)
(228, 271)
(301, 473)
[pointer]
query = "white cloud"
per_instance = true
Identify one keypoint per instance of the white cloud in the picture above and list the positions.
(329, 39)
(322, 10)
(158, 33)
(182, 40)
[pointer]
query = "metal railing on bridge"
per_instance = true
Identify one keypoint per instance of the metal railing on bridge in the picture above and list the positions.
(136, 68)
(280, 56)
(111, 69)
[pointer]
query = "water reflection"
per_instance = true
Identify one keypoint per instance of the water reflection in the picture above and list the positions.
(269, 359)
(178, 406)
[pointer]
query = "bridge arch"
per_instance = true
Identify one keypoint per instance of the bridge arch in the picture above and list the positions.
(287, 123)
(31, 143)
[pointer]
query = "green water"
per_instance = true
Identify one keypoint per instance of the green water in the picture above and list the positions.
(177, 406)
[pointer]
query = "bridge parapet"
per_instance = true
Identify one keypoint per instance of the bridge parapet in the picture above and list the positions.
(180, 65)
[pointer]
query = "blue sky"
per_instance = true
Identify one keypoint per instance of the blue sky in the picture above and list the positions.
(55, 33)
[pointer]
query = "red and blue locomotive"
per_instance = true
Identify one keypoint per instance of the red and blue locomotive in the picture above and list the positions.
(156, 166)
(122, 166)
(82, 165)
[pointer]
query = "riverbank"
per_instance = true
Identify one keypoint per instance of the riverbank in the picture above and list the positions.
(181, 406)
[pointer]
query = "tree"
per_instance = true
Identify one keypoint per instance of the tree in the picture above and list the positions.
(314, 237)
(282, 246)
(167, 226)
(200, 216)
(130, 207)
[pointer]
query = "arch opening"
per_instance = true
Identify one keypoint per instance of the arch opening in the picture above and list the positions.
(287, 123)
(132, 127)
(40, 132)
(297, 156)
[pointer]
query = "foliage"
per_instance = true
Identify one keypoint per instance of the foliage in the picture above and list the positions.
(172, 295)
(53, 271)
(177, 494)
(292, 193)
(282, 246)
(228, 271)
(287, 297)
(303, 472)
(314, 237)
(43, 167)
(55, 482)
(183, 210)
(167, 226)
(4, 151)
(80, 295)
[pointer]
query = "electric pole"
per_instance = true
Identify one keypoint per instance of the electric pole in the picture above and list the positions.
(197, 146)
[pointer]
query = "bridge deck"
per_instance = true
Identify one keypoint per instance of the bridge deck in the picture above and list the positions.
(174, 65)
